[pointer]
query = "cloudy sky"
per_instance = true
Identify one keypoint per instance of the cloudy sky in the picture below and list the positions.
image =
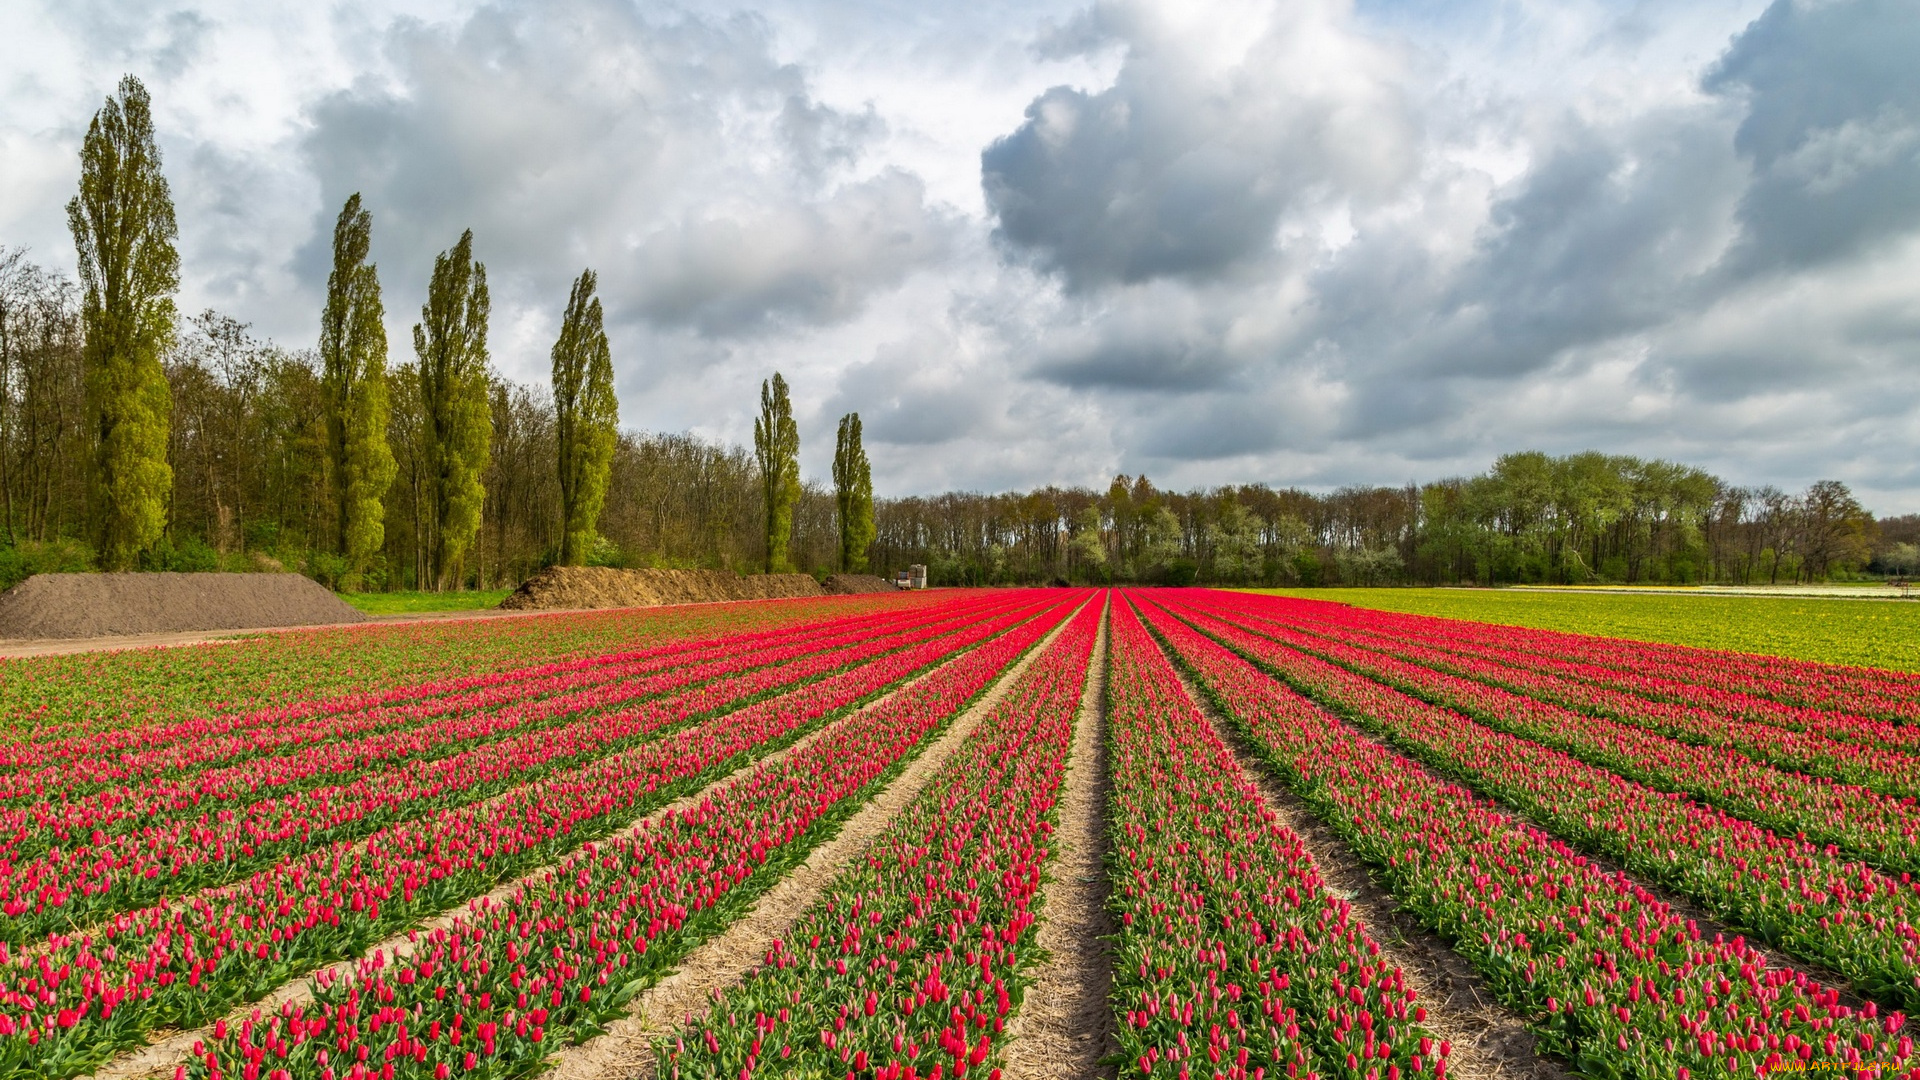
(1308, 242)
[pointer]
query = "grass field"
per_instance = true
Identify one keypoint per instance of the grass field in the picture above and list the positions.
(418, 603)
(1871, 633)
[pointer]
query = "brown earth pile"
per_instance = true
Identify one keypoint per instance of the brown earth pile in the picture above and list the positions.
(103, 605)
(563, 587)
(858, 583)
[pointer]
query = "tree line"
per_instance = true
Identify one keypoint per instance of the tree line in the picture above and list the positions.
(131, 441)
(131, 438)
(1531, 518)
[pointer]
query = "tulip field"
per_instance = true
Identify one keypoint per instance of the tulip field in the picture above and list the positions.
(477, 850)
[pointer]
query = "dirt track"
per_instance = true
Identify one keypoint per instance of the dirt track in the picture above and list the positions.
(11, 649)
(1064, 1028)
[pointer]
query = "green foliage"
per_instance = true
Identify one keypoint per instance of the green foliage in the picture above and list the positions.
(1306, 568)
(853, 495)
(328, 569)
(1538, 518)
(604, 552)
(1088, 546)
(186, 555)
(1160, 541)
(587, 419)
(124, 232)
(353, 357)
(457, 428)
(1234, 539)
(22, 561)
(1902, 559)
(776, 448)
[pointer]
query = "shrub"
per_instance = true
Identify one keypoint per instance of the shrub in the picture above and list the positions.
(187, 555)
(18, 563)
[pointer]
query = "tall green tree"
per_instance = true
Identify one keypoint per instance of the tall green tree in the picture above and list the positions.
(353, 361)
(457, 422)
(1835, 529)
(776, 447)
(124, 231)
(853, 495)
(586, 418)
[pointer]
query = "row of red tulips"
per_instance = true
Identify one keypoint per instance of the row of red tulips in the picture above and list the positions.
(1812, 902)
(1888, 695)
(425, 731)
(66, 768)
(1890, 768)
(1584, 684)
(64, 1011)
(1881, 829)
(1233, 960)
(106, 872)
(913, 959)
(496, 992)
(1613, 978)
(102, 702)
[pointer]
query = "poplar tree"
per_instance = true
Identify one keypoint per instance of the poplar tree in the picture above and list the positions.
(124, 232)
(586, 418)
(457, 422)
(853, 494)
(353, 357)
(776, 447)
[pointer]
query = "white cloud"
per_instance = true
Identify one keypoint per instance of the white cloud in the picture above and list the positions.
(1041, 241)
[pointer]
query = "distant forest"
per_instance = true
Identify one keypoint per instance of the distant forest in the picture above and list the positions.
(251, 491)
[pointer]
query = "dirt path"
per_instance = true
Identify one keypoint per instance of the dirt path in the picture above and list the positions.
(16, 648)
(159, 1057)
(1065, 1024)
(1488, 1040)
(625, 1050)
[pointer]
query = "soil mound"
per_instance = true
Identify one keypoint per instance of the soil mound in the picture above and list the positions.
(603, 587)
(858, 583)
(102, 605)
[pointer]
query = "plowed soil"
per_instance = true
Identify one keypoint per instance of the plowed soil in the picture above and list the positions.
(567, 587)
(104, 605)
(858, 583)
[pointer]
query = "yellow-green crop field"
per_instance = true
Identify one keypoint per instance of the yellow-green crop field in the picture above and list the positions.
(415, 603)
(1870, 633)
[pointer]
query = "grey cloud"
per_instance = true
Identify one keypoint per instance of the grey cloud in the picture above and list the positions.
(1611, 233)
(1172, 367)
(1604, 296)
(186, 34)
(1177, 171)
(820, 138)
(917, 392)
(813, 262)
(159, 42)
(1072, 185)
(675, 155)
(1216, 427)
(1157, 338)
(1082, 33)
(1832, 128)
